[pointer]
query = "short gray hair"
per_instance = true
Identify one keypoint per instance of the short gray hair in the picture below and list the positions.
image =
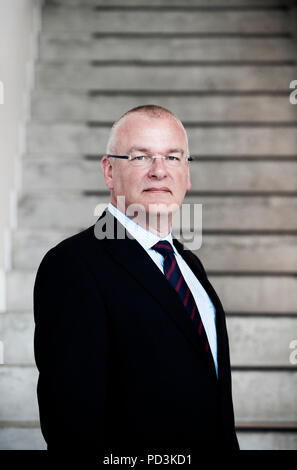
(152, 110)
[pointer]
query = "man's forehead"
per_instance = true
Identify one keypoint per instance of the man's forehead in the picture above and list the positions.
(153, 133)
(140, 120)
(142, 125)
(149, 149)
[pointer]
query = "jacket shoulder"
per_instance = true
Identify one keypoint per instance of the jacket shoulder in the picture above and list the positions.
(74, 247)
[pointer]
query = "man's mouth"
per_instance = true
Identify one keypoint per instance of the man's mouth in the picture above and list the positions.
(158, 190)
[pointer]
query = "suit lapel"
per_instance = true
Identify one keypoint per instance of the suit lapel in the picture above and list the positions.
(222, 339)
(130, 255)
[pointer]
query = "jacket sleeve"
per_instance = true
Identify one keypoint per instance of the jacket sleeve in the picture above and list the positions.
(71, 352)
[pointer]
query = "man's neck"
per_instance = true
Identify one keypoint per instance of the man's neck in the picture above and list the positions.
(156, 223)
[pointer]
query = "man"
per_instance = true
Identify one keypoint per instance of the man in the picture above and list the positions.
(130, 337)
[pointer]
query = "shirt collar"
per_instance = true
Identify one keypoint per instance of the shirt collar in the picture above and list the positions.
(146, 238)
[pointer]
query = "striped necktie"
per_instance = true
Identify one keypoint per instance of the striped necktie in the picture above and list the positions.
(176, 279)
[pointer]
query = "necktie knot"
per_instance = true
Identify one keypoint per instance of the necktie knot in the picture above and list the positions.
(163, 247)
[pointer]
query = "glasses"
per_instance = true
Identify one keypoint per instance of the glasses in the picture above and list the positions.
(146, 160)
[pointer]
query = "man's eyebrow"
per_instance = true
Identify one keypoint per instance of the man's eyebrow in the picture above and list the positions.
(175, 151)
(139, 149)
(143, 149)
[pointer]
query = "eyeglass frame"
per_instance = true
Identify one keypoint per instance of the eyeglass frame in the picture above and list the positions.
(188, 158)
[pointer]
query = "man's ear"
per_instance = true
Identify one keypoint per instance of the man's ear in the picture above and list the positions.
(107, 171)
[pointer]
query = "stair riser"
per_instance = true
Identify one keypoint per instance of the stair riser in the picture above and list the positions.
(242, 253)
(258, 396)
(78, 106)
(18, 399)
(253, 341)
(205, 176)
(265, 396)
(267, 440)
(163, 3)
(237, 293)
(218, 141)
(65, 47)
(32, 439)
(67, 211)
(87, 20)
(12, 438)
(78, 76)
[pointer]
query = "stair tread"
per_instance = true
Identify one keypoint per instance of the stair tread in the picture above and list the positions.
(245, 176)
(78, 75)
(282, 289)
(57, 19)
(84, 47)
(225, 142)
(79, 108)
(183, 3)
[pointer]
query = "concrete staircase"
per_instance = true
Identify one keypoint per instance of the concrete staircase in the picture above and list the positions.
(224, 67)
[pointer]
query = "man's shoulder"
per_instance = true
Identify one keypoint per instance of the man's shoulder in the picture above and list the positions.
(78, 246)
(80, 239)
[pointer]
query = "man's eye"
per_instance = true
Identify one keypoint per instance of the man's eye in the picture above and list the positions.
(139, 158)
(173, 158)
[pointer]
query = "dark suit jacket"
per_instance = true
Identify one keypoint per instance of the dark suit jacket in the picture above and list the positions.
(121, 366)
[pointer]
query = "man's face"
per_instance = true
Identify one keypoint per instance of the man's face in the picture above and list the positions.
(157, 184)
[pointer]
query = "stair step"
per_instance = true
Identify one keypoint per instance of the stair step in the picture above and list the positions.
(18, 399)
(250, 339)
(240, 253)
(150, 21)
(265, 396)
(84, 47)
(18, 437)
(79, 75)
(227, 176)
(64, 174)
(49, 107)
(277, 402)
(30, 438)
(17, 333)
(266, 426)
(19, 285)
(239, 213)
(238, 293)
(63, 211)
(29, 246)
(257, 293)
(267, 440)
(248, 253)
(218, 141)
(169, 3)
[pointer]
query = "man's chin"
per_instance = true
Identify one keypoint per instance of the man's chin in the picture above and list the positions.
(161, 208)
(146, 208)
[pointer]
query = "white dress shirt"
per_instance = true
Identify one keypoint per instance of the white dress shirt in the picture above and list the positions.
(147, 240)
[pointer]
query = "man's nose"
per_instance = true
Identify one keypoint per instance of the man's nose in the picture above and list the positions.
(158, 168)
